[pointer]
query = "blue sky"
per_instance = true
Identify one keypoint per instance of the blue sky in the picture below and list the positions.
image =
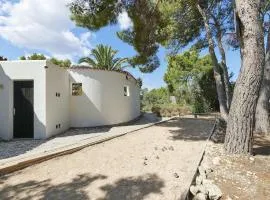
(26, 26)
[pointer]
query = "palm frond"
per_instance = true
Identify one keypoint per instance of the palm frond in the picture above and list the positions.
(104, 57)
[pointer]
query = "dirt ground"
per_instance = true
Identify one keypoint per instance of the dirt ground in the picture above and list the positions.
(241, 177)
(154, 163)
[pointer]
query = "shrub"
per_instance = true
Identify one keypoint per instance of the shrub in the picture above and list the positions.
(156, 110)
(170, 110)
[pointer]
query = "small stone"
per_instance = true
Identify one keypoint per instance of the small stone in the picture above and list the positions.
(199, 179)
(228, 198)
(207, 169)
(194, 190)
(171, 148)
(199, 196)
(251, 158)
(176, 175)
(214, 193)
(156, 148)
(144, 163)
(207, 181)
(216, 160)
(201, 170)
(157, 157)
(201, 188)
(145, 158)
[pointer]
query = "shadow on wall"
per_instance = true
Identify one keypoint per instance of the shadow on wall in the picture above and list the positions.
(14, 147)
(187, 129)
(124, 189)
(6, 110)
(5, 114)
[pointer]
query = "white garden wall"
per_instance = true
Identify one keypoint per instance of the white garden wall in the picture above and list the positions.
(103, 101)
(22, 70)
(57, 100)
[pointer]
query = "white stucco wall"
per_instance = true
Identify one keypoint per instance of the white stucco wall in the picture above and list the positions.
(22, 70)
(103, 101)
(57, 108)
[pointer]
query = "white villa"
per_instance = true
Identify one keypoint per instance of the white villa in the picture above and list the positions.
(39, 99)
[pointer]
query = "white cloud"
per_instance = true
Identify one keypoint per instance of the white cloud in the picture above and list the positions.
(5, 6)
(124, 21)
(42, 26)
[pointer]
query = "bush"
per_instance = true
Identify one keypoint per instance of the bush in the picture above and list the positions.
(156, 110)
(170, 110)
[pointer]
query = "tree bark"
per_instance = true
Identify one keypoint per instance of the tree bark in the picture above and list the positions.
(262, 124)
(241, 121)
(223, 65)
(217, 75)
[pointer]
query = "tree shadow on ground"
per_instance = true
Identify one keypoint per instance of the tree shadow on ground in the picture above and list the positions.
(135, 188)
(261, 145)
(45, 190)
(189, 129)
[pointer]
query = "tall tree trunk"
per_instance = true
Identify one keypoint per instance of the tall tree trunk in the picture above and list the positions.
(223, 65)
(218, 78)
(262, 124)
(241, 121)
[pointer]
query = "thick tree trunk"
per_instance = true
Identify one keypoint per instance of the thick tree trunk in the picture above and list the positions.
(241, 121)
(218, 77)
(262, 124)
(224, 66)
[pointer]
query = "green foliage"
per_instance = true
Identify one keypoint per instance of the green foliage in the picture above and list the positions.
(62, 63)
(139, 82)
(144, 35)
(104, 57)
(34, 56)
(94, 14)
(190, 78)
(2, 58)
(154, 97)
(170, 110)
(174, 24)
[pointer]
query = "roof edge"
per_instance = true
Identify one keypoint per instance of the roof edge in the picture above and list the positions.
(96, 69)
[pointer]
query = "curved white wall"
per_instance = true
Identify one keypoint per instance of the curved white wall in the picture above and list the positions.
(103, 101)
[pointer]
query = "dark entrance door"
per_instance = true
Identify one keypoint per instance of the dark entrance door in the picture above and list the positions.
(23, 121)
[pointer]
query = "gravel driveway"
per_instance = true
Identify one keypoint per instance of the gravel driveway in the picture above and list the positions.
(16, 149)
(153, 163)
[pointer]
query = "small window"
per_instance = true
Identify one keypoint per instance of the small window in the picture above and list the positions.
(76, 89)
(126, 91)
